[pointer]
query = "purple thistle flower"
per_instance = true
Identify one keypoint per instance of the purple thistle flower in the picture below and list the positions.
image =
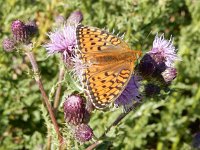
(75, 17)
(156, 63)
(63, 40)
(149, 69)
(169, 74)
(9, 44)
(163, 51)
(74, 110)
(130, 93)
(83, 133)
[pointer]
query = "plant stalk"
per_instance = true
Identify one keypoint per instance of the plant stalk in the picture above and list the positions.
(58, 90)
(45, 99)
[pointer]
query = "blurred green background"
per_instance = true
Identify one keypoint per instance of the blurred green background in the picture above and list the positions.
(161, 124)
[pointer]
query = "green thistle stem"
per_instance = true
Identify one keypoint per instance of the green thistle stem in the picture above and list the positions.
(58, 90)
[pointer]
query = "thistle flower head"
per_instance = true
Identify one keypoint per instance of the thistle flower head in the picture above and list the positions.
(169, 74)
(20, 31)
(63, 40)
(147, 66)
(75, 17)
(164, 51)
(74, 110)
(130, 94)
(83, 133)
(9, 44)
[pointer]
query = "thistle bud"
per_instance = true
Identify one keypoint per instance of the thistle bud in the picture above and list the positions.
(74, 110)
(75, 17)
(83, 133)
(169, 74)
(8, 44)
(32, 27)
(20, 32)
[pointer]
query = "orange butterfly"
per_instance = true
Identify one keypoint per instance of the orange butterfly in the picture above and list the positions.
(109, 61)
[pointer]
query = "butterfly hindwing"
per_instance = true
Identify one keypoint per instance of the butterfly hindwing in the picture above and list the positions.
(104, 87)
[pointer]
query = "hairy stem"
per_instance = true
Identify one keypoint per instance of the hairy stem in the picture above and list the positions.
(45, 99)
(56, 101)
(48, 140)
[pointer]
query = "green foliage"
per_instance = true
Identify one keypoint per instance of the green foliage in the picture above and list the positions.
(164, 124)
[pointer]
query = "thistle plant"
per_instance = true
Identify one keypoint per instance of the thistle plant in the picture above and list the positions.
(22, 37)
(154, 71)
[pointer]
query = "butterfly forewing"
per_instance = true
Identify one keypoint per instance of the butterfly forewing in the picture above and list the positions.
(91, 39)
(107, 72)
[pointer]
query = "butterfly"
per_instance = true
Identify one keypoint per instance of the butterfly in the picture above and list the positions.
(109, 61)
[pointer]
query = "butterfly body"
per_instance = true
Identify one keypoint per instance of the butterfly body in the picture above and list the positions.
(109, 61)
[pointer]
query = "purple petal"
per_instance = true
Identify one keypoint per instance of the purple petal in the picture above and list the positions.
(63, 39)
(164, 51)
(130, 93)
